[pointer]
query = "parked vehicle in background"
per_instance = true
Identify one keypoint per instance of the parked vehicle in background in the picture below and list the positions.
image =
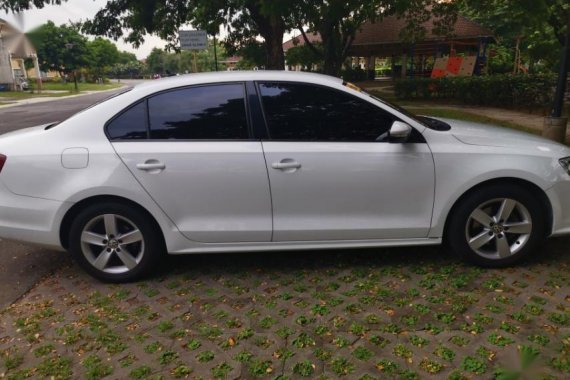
(273, 161)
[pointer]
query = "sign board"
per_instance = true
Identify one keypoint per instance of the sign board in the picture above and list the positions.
(193, 39)
(453, 66)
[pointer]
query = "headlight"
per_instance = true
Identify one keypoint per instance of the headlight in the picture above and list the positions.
(565, 162)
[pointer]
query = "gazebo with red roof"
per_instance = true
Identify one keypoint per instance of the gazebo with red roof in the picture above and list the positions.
(383, 39)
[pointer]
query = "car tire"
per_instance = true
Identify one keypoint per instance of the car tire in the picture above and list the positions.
(497, 226)
(115, 242)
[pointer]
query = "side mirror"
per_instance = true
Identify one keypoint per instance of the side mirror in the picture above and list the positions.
(399, 132)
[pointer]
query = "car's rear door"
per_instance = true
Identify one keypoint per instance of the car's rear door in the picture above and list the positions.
(193, 153)
(331, 179)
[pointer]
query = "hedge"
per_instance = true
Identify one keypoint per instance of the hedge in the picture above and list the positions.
(519, 91)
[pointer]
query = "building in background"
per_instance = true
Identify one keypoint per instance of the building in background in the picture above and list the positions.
(380, 45)
(15, 48)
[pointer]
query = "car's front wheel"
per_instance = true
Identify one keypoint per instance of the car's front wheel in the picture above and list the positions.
(114, 242)
(497, 226)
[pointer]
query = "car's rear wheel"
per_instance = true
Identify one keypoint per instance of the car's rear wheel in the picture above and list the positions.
(115, 242)
(497, 226)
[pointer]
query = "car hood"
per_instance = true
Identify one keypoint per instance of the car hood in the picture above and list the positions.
(488, 135)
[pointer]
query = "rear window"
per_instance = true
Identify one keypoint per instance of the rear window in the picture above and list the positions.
(129, 125)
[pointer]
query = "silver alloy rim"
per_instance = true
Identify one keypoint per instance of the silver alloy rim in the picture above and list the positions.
(499, 228)
(112, 243)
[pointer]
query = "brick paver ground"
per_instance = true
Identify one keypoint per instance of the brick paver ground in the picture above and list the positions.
(389, 313)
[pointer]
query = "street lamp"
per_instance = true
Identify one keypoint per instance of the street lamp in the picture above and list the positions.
(70, 46)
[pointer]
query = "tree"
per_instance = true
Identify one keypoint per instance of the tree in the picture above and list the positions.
(155, 61)
(131, 69)
(60, 48)
(529, 16)
(337, 21)
(126, 57)
(244, 19)
(252, 55)
(102, 55)
(536, 24)
(304, 56)
(163, 62)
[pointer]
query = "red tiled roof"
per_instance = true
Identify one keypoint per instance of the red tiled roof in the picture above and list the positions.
(299, 40)
(387, 31)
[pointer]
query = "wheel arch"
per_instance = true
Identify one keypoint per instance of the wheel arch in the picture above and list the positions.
(523, 183)
(72, 213)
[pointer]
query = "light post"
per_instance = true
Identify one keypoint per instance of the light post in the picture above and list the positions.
(69, 46)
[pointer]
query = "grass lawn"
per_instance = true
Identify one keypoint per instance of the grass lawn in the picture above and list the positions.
(16, 95)
(69, 86)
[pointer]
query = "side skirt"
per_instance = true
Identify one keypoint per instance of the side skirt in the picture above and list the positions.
(305, 245)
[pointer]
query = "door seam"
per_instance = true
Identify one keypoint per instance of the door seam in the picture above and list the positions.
(270, 190)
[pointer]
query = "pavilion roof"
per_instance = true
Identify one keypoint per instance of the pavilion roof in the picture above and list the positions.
(383, 37)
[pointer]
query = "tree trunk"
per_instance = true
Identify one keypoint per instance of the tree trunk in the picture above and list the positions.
(332, 53)
(272, 29)
(75, 81)
(275, 58)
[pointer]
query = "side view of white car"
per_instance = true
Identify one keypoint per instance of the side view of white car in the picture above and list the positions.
(250, 161)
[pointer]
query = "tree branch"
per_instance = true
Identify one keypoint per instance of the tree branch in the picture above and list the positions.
(309, 43)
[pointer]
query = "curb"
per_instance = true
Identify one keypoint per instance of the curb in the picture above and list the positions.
(52, 98)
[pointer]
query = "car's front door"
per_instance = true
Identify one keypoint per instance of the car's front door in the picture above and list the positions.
(331, 175)
(192, 153)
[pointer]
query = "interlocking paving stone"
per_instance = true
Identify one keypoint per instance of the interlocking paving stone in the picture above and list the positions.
(408, 313)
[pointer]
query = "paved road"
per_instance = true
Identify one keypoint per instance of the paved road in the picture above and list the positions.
(21, 266)
(29, 115)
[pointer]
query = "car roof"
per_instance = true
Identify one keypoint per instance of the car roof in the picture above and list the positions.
(236, 76)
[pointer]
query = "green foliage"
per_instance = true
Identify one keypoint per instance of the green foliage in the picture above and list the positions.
(353, 74)
(102, 55)
(60, 48)
(304, 56)
(162, 62)
(525, 91)
(539, 24)
(65, 50)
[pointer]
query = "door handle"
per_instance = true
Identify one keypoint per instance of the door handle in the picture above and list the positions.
(151, 165)
(286, 164)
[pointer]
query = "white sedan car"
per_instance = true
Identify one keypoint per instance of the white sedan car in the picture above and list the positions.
(271, 161)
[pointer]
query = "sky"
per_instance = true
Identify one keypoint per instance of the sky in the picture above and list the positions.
(75, 10)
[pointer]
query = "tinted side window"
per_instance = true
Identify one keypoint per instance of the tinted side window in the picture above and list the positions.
(205, 112)
(306, 112)
(129, 125)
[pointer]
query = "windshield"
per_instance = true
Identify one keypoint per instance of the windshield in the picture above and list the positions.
(427, 122)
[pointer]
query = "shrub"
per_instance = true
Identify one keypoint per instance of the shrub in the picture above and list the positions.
(354, 74)
(520, 91)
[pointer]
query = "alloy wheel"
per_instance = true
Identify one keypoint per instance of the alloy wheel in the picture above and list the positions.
(498, 228)
(112, 243)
